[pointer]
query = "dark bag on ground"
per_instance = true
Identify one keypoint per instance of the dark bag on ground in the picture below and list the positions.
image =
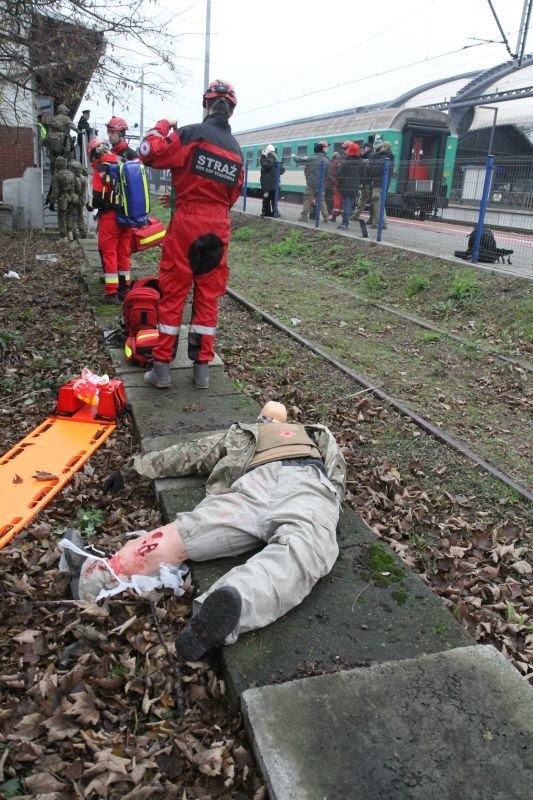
(489, 253)
(139, 320)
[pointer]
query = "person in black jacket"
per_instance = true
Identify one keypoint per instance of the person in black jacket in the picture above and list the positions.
(84, 126)
(350, 173)
(270, 172)
(377, 164)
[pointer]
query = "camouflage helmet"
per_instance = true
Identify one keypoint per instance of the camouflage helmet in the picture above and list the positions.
(76, 166)
(62, 109)
(60, 162)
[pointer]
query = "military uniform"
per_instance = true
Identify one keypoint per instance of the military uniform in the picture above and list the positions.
(63, 193)
(275, 484)
(58, 138)
(80, 212)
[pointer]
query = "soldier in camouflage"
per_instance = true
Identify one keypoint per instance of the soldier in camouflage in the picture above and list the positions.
(79, 210)
(58, 139)
(63, 193)
(272, 484)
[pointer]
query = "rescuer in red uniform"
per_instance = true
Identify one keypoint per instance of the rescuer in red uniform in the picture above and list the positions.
(117, 128)
(206, 167)
(114, 241)
(116, 133)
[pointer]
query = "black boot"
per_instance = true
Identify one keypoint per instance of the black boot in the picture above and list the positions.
(218, 616)
(123, 287)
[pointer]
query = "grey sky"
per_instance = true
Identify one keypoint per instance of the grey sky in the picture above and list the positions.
(295, 59)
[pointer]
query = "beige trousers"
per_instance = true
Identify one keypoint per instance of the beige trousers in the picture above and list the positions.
(293, 511)
(309, 196)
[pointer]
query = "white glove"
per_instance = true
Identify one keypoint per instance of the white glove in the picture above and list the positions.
(173, 123)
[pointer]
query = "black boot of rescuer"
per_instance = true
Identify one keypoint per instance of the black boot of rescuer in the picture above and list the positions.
(218, 616)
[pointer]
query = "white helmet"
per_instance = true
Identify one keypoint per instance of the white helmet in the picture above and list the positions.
(269, 149)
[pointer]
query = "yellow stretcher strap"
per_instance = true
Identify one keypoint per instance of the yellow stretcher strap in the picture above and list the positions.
(53, 452)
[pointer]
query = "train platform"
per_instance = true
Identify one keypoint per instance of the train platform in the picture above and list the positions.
(369, 688)
(432, 237)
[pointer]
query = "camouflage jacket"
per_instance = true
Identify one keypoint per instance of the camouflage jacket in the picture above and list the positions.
(63, 187)
(224, 456)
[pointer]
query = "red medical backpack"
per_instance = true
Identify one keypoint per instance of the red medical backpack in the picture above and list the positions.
(139, 320)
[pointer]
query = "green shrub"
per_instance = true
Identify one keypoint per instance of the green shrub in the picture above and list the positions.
(465, 286)
(373, 283)
(431, 336)
(416, 283)
(290, 246)
(242, 235)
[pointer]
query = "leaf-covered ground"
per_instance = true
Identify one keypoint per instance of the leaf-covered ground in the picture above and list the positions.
(93, 703)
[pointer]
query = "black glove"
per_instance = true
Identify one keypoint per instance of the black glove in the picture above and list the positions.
(114, 483)
(51, 206)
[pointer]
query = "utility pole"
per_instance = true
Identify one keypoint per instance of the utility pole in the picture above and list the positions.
(207, 46)
(523, 31)
(141, 121)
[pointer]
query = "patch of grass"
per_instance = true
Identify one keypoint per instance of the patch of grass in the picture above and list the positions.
(9, 339)
(465, 286)
(281, 359)
(243, 235)
(523, 317)
(289, 247)
(416, 283)
(373, 284)
(428, 337)
(443, 308)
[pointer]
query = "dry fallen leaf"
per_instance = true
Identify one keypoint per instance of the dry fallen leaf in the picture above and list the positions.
(41, 475)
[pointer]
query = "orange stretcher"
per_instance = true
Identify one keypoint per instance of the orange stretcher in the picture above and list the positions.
(38, 467)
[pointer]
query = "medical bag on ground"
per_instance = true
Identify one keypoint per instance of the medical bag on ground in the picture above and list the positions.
(130, 188)
(139, 320)
(147, 236)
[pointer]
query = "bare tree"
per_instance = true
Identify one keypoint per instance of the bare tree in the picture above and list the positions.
(55, 48)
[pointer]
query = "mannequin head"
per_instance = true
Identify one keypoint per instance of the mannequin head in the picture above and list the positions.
(274, 411)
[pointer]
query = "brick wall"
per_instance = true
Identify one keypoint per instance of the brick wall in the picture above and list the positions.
(16, 151)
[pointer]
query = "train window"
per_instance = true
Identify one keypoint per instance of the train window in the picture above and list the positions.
(249, 158)
(301, 150)
(258, 159)
(286, 156)
(337, 147)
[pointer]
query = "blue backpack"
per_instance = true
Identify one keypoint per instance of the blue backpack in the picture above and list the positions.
(130, 188)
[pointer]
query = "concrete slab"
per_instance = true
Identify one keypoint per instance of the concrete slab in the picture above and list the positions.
(353, 617)
(446, 726)
(181, 361)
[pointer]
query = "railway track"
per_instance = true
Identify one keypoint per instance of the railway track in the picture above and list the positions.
(420, 421)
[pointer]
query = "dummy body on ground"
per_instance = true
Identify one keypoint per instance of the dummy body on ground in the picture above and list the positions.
(270, 483)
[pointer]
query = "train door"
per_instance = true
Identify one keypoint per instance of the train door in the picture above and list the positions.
(421, 167)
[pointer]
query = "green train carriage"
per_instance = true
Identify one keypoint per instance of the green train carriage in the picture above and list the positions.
(422, 141)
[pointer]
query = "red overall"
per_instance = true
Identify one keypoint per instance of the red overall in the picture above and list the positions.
(114, 241)
(206, 168)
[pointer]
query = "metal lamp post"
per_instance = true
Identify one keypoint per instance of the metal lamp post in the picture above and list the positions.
(148, 64)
